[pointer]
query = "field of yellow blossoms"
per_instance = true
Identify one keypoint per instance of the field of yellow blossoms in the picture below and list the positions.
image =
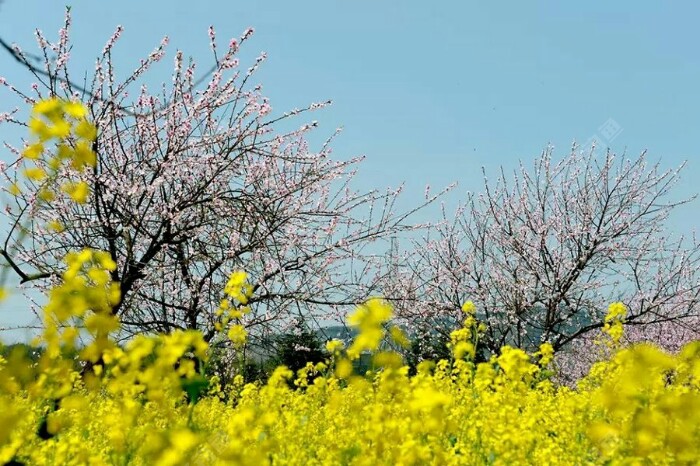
(147, 403)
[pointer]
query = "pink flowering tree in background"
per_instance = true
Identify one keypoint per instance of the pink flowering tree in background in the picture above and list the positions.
(192, 183)
(543, 252)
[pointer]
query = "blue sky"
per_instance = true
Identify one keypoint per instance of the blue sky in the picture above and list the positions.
(432, 91)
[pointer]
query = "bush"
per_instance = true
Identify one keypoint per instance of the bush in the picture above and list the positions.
(296, 349)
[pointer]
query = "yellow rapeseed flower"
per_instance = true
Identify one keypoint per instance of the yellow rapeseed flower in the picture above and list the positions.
(238, 335)
(75, 109)
(35, 173)
(48, 106)
(33, 151)
(79, 191)
(86, 130)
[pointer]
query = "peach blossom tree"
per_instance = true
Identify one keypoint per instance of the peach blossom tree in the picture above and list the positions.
(543, 252)
(194, 181)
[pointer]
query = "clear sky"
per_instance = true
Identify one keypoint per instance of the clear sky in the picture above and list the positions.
(432, 91)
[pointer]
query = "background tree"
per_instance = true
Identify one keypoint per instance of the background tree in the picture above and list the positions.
(297, 347)
(543, 253)
(193, 182)
(426, 344)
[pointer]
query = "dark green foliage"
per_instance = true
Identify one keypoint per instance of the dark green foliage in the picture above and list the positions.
(21, 351)
(43, 431)
(195, 387)
(427, 346)
(15, 462)
(256, 371)
(298, 348)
